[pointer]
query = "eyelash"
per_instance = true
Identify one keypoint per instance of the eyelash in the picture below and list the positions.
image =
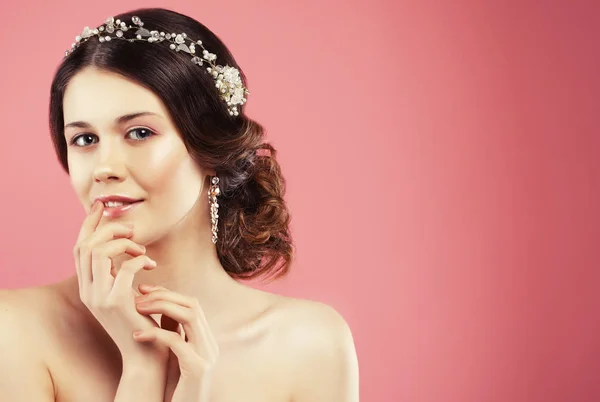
(74, 139)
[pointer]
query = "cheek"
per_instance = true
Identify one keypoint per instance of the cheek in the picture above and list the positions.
(168, 171)
(79, 178)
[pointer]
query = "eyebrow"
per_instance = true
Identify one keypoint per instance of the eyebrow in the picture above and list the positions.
(118, 121)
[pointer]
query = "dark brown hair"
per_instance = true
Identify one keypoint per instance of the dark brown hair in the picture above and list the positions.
(254, 235)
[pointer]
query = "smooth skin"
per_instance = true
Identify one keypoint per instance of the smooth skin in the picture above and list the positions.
(150, 314)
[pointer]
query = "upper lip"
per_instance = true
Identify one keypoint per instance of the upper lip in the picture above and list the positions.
(117, 198)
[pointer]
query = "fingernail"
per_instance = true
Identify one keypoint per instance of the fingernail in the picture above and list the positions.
(95, 206)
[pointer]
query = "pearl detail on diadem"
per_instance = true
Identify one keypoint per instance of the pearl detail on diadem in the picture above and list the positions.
(227, 79)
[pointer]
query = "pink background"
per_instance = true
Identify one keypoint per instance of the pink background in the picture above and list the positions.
(442, 160)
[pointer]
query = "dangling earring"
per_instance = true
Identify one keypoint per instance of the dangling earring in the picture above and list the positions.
(213, 192)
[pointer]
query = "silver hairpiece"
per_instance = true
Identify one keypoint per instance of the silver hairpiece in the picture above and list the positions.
(227, 79)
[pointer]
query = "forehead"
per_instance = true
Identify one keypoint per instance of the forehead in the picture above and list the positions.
(97, 96)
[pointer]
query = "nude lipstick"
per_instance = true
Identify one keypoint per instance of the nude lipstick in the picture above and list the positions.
(117, 205)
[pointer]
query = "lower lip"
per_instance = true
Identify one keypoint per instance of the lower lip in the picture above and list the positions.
(115, 212)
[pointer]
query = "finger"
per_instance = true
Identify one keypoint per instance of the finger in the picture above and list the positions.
(102, 257)
(183, 315)
(184, 310)
(91, 221)
(124, 280)
(146, 288)
(189, 361)
(102, 235)
(87, 227)
(161, 293)
(110, 231)
(153, 292)
(181, 332)
(76, 257)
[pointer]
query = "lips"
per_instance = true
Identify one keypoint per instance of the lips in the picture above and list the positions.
(118, 210)
(113, 204)
(117, 205)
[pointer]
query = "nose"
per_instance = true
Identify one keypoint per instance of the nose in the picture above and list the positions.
(110, 164)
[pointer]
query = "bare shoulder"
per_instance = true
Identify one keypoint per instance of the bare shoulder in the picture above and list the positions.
(320, 346)
(27, 308)
(24, 374)
(27, 313)
(26, 297)
(313, 320)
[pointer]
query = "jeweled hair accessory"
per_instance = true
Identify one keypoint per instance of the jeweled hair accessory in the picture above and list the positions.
(227, 79)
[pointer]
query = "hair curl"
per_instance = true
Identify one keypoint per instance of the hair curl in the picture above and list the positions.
(254, 234)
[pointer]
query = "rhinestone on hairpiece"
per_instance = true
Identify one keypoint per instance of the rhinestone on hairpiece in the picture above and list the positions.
(227, 79)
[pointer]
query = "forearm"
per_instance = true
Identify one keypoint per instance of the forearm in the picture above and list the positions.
(142, 383)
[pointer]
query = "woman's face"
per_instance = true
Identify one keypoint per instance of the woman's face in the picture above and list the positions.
(121, 142)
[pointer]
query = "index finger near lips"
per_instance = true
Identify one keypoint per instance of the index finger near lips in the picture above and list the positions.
(90, 241)
(101, 238)
(91, 221)
(89, 225)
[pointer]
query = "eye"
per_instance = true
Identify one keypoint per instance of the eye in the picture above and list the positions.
(83, 140)
(141, 133)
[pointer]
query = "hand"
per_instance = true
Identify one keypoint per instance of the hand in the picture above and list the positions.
(107, 295)
(193, 345)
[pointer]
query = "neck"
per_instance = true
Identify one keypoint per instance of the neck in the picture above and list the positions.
(187, 263)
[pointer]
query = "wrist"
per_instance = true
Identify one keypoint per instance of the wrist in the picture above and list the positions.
(137, 372)
(142, 379)
(148, 360)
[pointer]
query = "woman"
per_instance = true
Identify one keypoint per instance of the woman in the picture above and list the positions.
(183, 199)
